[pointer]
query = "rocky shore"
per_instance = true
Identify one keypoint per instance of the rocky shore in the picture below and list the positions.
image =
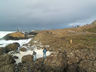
(72, 50)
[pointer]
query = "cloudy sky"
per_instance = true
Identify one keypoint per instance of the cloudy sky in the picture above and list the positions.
(45, 14)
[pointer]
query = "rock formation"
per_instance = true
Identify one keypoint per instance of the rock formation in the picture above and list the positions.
(12, 47)
(15, 36)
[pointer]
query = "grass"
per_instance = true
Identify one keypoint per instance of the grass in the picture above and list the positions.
(60, 39)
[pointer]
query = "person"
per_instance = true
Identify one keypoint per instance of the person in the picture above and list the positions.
(44, 53)
(34, 56)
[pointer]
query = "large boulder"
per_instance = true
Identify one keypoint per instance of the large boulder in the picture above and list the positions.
(15, 36)
(6, 63)
(54, 63)
(23, 49)
(57, 60)
(12, 47)
(6, 59)
(27, 58)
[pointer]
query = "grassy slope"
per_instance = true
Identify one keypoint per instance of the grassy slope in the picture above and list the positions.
(82, 37)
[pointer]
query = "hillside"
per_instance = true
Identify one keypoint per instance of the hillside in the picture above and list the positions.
(79, 44)
(68, 50)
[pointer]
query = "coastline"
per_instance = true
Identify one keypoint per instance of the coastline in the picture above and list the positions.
(67, 49)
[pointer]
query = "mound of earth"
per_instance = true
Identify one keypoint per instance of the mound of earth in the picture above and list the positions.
(15, 36)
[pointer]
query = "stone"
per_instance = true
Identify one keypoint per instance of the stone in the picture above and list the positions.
(23, 49)
(27, 58)
(12, 47)
(1, 51)
(15, 36)
(6, 63)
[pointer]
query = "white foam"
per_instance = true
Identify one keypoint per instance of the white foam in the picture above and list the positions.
(3, 33)
(3, 42)
(39, 54)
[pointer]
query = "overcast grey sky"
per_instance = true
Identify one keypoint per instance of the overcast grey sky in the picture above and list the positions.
(45, 14)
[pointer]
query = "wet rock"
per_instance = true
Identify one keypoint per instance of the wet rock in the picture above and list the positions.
(6, 63)
(7, 68)
(12, 47)
(15, 36)
(6, 59)
(23, 49)
(1, 51)
(27, 58)
(32, 33)
(56, 60)
(15, 57)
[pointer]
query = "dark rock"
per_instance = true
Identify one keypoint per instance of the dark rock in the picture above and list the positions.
(6, 63)
(56, 60)
(17, 44)
(15, 57)
(7, 68)
(12, 47)
(32, 33)
(6, 59)
(27, 58)
(1, 51)
(23, 49)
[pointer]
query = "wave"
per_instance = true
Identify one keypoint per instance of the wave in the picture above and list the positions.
(3, 33)
(3, 42)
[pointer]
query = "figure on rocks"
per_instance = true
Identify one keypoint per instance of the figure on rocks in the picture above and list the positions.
(44, 53)
(34, 56)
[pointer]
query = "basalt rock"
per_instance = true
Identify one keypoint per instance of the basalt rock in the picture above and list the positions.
(6, 63)
(1, 51)
(23, 49)
(27, 58)
(12, 47)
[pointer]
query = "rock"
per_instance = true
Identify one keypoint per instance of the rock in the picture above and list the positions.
(56, 60)
(15, 57)
(23, 49)
(27, 58)
(7, 68)
(6, 63)
(15, 36)
(12, 47)
(17, 44)
(33, 33)
(1, 51)
(74, 68)
(6, 59)
(54, 63)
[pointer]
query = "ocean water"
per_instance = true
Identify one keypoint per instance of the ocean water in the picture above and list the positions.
(3, 42)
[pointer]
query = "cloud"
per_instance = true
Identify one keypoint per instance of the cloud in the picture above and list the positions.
(46, 14)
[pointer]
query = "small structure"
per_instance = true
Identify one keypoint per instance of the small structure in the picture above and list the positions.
(71, 41)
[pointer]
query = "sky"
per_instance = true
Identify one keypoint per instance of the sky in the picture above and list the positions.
(45, 14)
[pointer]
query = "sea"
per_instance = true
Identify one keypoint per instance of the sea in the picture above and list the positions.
(4, 42)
